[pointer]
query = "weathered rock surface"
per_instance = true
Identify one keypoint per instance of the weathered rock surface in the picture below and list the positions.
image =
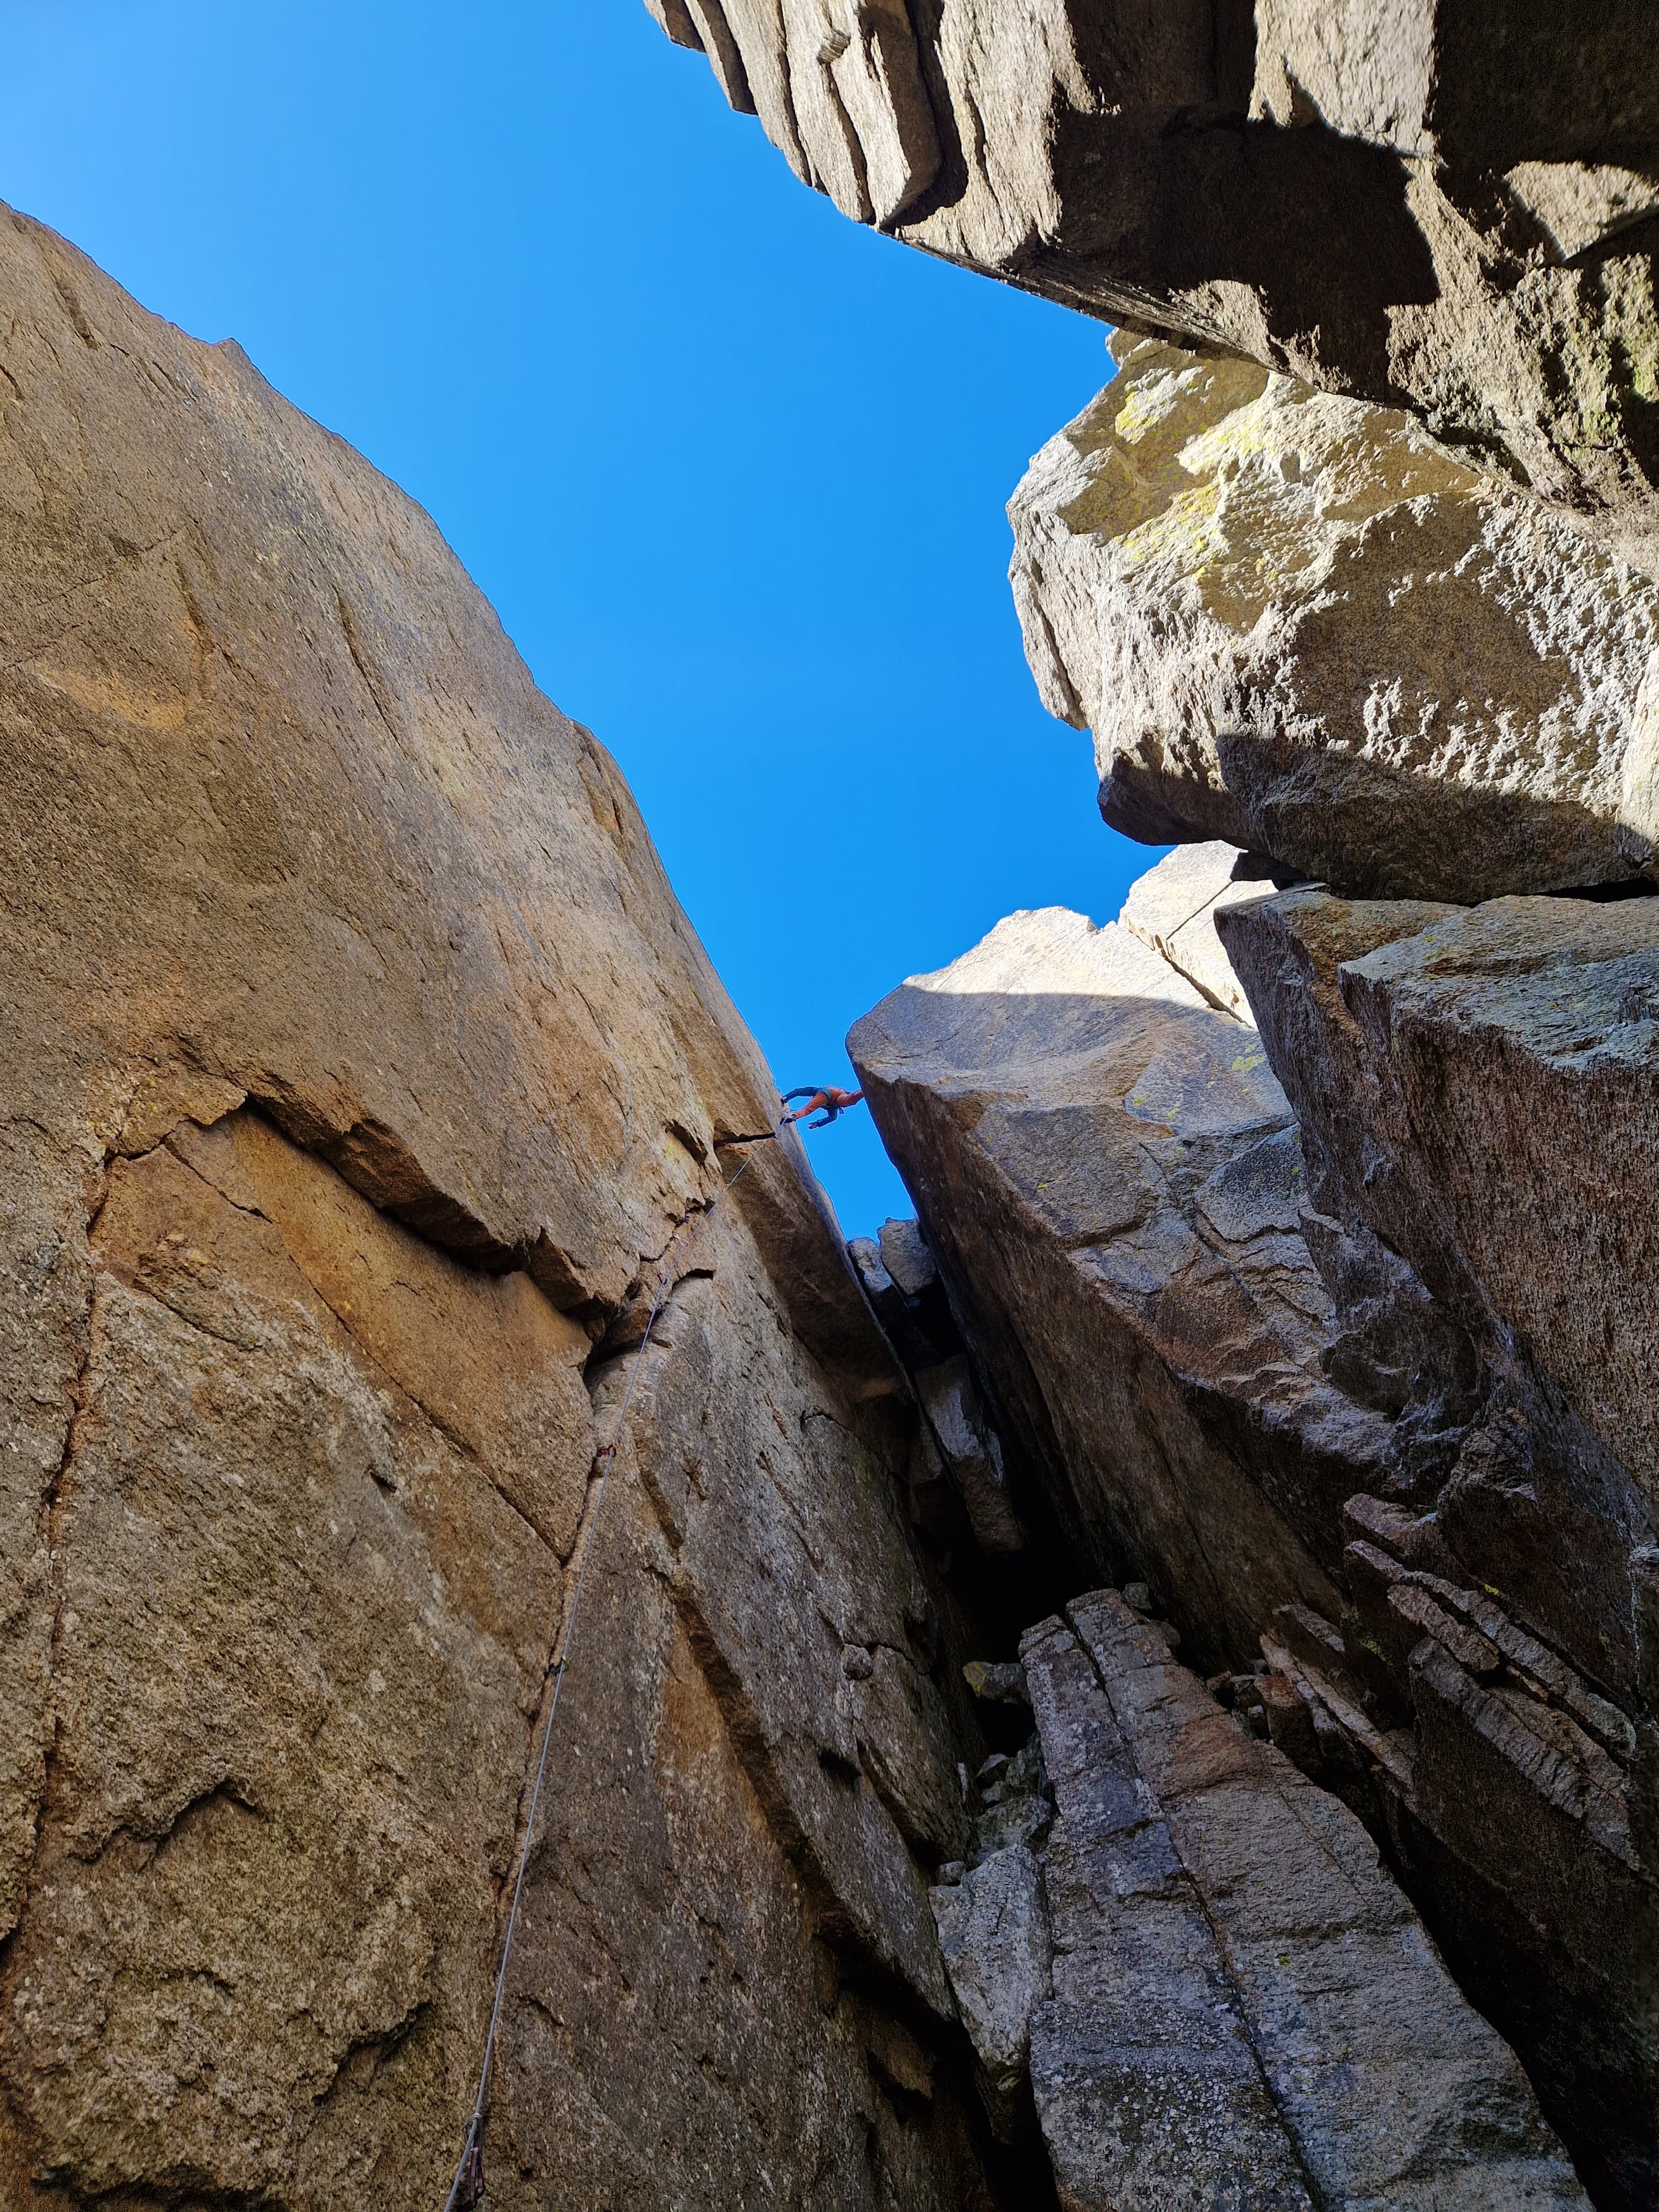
(359, 1065)
(1516, 1050)
(1148, 2086)
(1477, 1091)
(1473, 1091)
(1450, 212)
(905, 1255)
(1226, 1999)
(1391, 2090)
(972, 1451)
(910, 1300)
(1348, 1374)
(1172, 908)
(1111, 1182)
(994, 1933)
(1448, 1452)
(1297, 622)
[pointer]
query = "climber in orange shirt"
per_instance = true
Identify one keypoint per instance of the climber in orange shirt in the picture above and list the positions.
(827, 1095)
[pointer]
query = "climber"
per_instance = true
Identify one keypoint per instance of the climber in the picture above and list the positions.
(825, 1094)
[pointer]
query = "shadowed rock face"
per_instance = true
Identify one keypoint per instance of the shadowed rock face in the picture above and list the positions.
(1362, 1390)
(1245, 2010)
(1448, 211)
(1218, 1994)
(362, 1079)
(1298, 623)
(1474, 1093)
(1111, 1180)
(359, 1065)
(1351, 568)
(1481, 1089)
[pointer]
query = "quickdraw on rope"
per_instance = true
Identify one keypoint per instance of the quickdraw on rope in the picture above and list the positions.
(467, 2188)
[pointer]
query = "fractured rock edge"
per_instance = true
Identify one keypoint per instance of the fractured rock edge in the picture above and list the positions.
(1240, 1988)
(1457, 218)
(1453, 1598)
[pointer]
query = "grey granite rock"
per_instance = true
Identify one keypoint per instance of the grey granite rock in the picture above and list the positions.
(1478, 1089)
(1245, 2009)
(994, 1937)
(1173, 908)
(1147, 2086)
(1474, 1093)
(1445, 1532)
(972, 1451)
(905, 1255)
(1301, 624)
(998, 1682)
(1110, 1181)
(1449, 211)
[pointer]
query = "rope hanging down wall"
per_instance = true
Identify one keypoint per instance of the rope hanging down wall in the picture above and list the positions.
(467, 2188)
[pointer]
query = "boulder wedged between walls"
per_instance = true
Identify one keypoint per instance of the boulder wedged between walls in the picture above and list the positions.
(1110, 1177)
(1301, 624)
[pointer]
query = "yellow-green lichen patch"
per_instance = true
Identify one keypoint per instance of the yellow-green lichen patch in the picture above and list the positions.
(1627, 285)
(1137, 432)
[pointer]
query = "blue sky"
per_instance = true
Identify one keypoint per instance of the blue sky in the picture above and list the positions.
(732, 469)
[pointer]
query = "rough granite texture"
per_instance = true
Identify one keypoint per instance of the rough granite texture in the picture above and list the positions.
(1429, 1506)
(358, 1063)
(1474, 1093)
(1172, 908)
(1300, 624)
(1221, 1997)
(1447, 210)
(1147, 2083)
(1111, 1180)
(1444, 1064)
(1246, 2011)
(1287, 1257)
(1352, 573)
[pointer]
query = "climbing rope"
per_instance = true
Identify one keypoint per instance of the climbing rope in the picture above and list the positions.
(467, 2188)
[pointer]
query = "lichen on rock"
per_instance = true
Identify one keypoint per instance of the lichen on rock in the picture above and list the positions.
(1296, 623)
(1454, 214)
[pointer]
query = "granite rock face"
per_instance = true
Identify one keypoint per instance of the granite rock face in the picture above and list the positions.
(1447, 212)
(1446, 1063)
(993, 1934)
(1172, 908)
(1111, 1180)
(360, 1067)
(1222, 1997)
(1300, 624)
(1474, 1090)
(1296, 1230)
(1284, 1257)
(973, 1452)
(1416, 1536)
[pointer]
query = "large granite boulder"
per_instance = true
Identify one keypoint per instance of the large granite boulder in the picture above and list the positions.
(1450, 211)
(1476, 1093)
(359, 1069)
(1111, 1180)
(1475, 1090)
(1299, 622)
